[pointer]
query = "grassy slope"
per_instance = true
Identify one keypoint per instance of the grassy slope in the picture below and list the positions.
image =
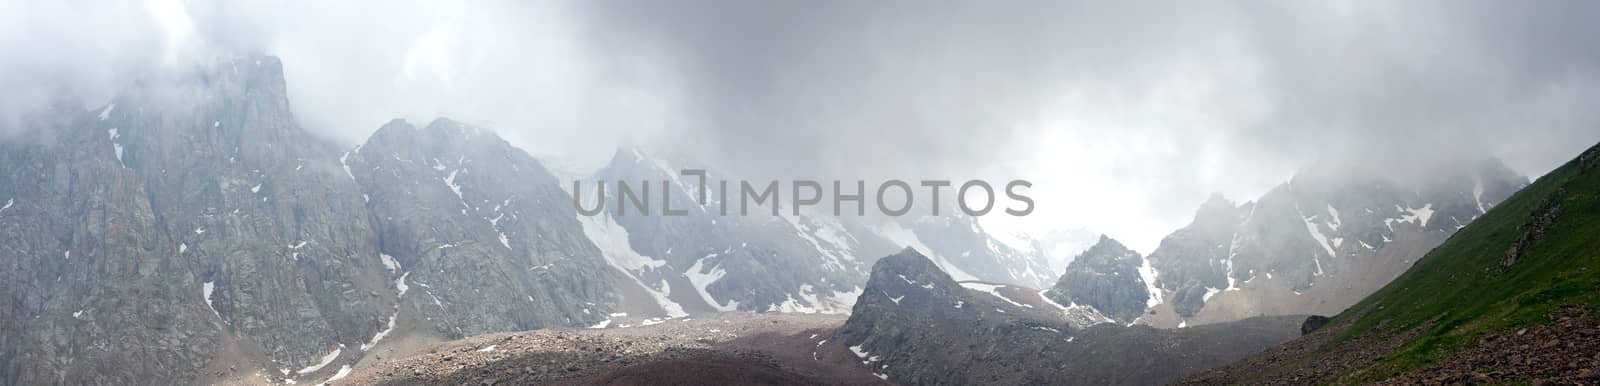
(1462, 284)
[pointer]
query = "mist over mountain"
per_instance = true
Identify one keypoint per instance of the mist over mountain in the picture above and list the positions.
(1319, 242)
(271, 192)
(1127, 117)
(250, 243)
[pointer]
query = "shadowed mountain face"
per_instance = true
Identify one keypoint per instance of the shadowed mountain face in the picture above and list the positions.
(915, 325)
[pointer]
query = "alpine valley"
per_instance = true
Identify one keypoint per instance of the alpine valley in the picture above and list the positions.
(190, 231)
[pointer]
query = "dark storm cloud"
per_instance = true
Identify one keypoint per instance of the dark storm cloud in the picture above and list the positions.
(1158, 103)
(1125, 114)
(952, 84)
(822, 87)
(1432, 78)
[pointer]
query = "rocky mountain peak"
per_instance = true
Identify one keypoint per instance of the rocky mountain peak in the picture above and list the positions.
(482, 226)
(247, 81)
(237, 226)
(1218, 208)
(1107, 248)
(452, 131)
(1107, 277)
(258, 73)
(1216, 202)
(627, 154)
(909, 264)
(397, 127)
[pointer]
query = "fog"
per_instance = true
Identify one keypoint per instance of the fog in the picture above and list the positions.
(1125, 115)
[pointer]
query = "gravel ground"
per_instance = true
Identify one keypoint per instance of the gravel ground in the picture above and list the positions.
(1563, 352)
(1287, 363)
(692, 348)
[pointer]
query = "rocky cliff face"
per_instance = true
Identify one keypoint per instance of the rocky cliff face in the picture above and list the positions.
(1316, 244)
(915, 325)
(89, 291)
(480, 228)
(190, 226)
(1107, 278)
(188, 215)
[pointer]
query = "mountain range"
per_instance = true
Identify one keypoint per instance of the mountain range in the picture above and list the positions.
(191, 226)
(1313, 245)
(190, 230)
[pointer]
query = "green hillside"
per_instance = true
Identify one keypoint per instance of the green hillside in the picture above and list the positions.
(1465, 289)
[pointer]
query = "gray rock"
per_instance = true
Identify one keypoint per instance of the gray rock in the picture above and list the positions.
(1106, 277)
(1313, 323)
(184, 182)
(480, 229)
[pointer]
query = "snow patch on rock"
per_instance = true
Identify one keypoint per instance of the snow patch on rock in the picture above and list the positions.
(612, 239)
(992, 289)
(906, 238)
(326, 360)
(205, 290)
(702, 278)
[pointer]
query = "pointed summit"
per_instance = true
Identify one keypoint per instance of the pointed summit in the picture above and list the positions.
(1216, 202)
(910, 251)
(628, 155)
(906, 279)
(1108, 245)
(1106, 277)
(908, 262)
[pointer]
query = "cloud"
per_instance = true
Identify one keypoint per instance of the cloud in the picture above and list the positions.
(1126, 115)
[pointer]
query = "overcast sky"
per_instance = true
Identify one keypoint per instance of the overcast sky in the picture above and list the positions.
(1126, 115)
